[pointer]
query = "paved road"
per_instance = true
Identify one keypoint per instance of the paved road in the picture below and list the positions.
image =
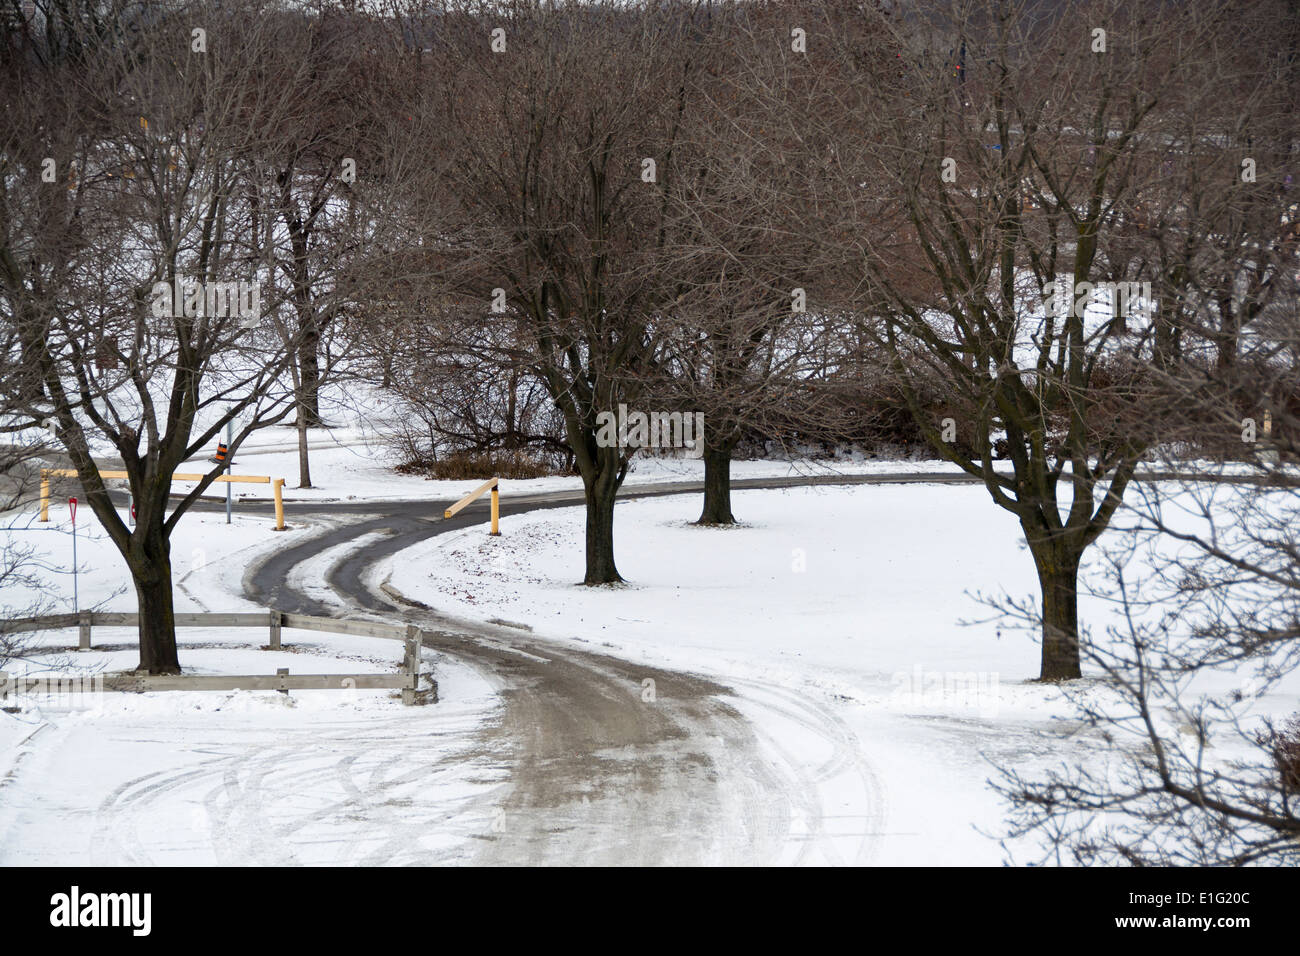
(597, 773)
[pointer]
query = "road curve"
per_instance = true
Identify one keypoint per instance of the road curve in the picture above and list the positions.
(599, 769)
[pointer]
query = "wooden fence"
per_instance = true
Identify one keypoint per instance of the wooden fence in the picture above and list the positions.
(407, 680)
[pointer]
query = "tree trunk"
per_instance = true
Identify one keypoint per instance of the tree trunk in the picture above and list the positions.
(31, 388)
(152, 573)
(600, 533)
(1167, 344)
(309, 381)
(717, 487)
(304, 464)
(1058, 577)
(1228, 340)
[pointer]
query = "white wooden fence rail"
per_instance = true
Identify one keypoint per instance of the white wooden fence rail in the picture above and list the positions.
(407, 679)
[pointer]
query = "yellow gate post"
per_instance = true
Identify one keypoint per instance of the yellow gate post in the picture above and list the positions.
(45, 494)
(279, 504)
(496, 511)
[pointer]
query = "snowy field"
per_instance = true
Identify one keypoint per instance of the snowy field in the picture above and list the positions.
(354, 460)
(241, 778)
(208, 560)
(244, 778)
(815, 607)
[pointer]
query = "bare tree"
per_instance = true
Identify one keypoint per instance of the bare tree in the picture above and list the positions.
(1016, 156)
(1198, 766)
(308, 188)
(1196, 706)
(555, 132)
(475, 403)
(747, 210)
(139, 347)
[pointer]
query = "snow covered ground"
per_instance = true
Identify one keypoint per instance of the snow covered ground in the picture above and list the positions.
(843, 601)
(821, 578)
(208, 560)
(315, 777)
(354, 461)
(353, 464)
(240, 778)
(834, 614)
(816, 603)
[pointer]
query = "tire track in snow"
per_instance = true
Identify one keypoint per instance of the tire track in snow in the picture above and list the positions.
(325, 796)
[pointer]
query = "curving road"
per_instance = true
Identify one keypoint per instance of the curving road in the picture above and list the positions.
(596, 771)
(583, 767)
(568, 762)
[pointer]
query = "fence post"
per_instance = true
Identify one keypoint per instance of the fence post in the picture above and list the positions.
(275, 631)
(411, 663)
(282, 672)
(83, 631)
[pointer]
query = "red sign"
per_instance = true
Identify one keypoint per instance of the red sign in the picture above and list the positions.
(72, 503)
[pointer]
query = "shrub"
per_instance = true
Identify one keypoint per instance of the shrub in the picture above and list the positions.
(463, 465)
(1286, 756)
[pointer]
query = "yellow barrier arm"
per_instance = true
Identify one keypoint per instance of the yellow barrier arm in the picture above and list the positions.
(277, 484)
(489, 485)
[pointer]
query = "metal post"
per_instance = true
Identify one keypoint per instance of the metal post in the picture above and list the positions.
(229, 456)
(496, 511)
(76, 605)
